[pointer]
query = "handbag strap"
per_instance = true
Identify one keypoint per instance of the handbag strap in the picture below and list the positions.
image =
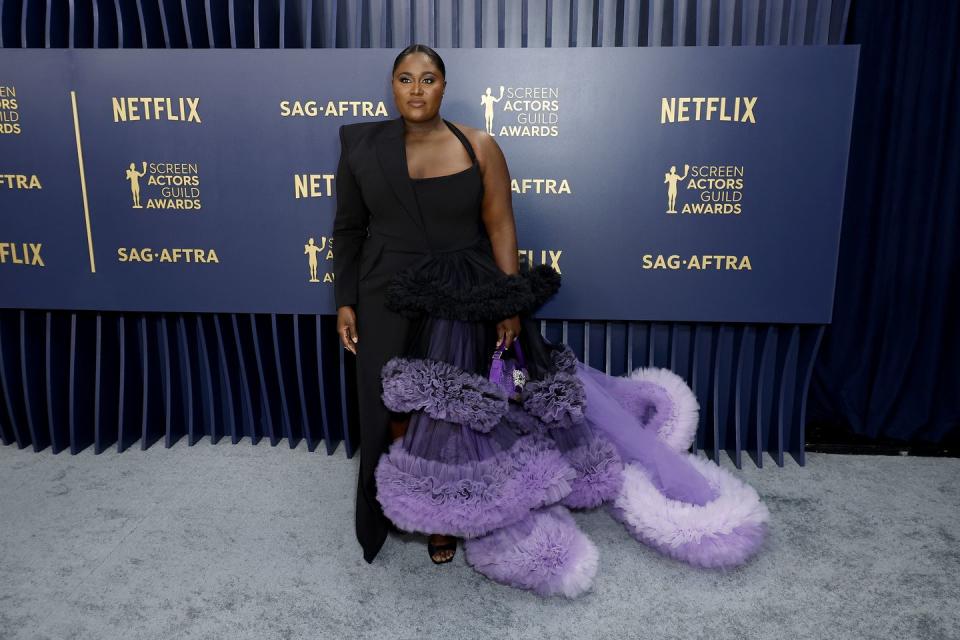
(498, 354)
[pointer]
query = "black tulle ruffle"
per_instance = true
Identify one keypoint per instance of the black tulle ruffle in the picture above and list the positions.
(447, 287)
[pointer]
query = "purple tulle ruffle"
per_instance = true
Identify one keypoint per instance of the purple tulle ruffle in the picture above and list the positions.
(521, 421)
(563, 358)
(599, 474)
(443, 391)
(558, 399)
(469, 500)
(544, 552)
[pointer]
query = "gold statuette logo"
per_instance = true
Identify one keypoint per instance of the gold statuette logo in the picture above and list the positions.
(487, 101)
(134, 177)
(312, 250)
(671, 179)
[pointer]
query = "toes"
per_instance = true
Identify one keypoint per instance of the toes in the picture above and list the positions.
(443, 555)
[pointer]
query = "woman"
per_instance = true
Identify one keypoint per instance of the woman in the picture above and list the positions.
(427, 286)
(384, 167)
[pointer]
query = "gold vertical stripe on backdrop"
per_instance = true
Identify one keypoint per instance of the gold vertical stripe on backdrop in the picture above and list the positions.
(83, 180)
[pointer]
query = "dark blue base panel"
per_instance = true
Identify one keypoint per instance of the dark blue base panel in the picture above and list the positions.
(71, 380)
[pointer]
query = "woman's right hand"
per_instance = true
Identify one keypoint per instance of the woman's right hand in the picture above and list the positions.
(347, 328)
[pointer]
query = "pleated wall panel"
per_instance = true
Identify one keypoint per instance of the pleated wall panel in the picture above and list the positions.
(69, 380)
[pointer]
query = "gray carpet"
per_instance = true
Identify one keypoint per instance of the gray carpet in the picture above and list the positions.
(256, 542)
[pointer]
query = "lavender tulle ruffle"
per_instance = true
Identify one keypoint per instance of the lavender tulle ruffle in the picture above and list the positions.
(544, 552)
(471, 499)
(597, 464)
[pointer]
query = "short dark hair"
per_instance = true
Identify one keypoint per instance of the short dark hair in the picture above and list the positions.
(421, 48)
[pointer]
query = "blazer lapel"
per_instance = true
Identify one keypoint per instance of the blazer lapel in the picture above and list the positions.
(392, 155)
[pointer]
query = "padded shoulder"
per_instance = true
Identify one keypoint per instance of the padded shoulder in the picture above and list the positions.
(350, 133)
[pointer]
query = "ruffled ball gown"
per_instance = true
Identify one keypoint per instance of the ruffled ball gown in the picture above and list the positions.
(466, 465)
(502, 473)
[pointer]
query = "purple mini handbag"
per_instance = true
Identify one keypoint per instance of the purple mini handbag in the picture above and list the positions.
(510, 374)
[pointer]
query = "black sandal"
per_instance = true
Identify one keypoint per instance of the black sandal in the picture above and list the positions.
(432, 549)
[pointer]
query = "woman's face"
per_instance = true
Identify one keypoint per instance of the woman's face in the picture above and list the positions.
(417, 88)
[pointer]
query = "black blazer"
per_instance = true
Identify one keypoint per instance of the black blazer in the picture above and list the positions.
(375, 199)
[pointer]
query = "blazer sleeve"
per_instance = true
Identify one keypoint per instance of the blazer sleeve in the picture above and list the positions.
(349, 230)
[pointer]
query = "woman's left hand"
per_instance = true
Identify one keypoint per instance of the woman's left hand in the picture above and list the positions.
(507, 331)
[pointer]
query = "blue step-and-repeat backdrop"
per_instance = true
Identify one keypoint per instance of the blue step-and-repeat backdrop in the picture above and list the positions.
(684, 184)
